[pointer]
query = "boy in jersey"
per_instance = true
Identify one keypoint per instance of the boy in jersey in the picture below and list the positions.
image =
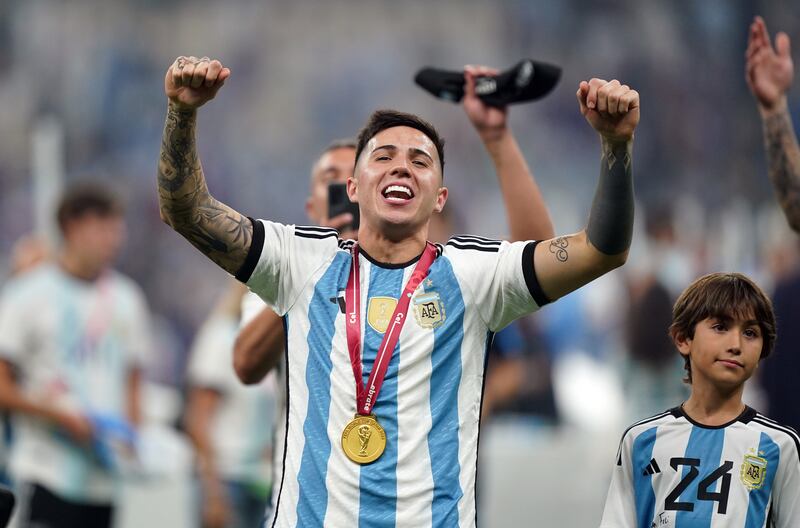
(73, 340)
(406, 355)
(712, 461)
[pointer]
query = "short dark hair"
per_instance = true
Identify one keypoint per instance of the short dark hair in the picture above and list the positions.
(722, 295)
(84, 198)
(382, 119)
(339, 144)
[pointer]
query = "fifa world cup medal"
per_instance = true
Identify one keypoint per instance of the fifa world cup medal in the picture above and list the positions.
(363, 440)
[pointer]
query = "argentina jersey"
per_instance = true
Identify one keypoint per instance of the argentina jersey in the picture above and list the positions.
(672, 472)
(430, 401)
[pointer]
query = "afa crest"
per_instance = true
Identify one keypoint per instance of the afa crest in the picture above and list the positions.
(379, 312)
(429, 310)
(754, 471)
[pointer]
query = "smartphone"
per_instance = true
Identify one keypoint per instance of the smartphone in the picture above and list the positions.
(339, 203)
(6, 506)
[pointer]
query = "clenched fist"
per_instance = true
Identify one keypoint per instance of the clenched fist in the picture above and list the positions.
(610, 107)
(191, 82)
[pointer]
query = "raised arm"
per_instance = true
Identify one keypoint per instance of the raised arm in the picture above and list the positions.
(566, 263)
(528, 218)
(769, 73)
(221, 233)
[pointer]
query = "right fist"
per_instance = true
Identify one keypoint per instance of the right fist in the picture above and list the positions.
(191, 82)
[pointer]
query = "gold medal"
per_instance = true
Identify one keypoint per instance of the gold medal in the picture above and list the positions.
(363, 440)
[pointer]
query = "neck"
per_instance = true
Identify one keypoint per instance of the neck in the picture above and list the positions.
(710, 406)
(391, 250)
(78, 267)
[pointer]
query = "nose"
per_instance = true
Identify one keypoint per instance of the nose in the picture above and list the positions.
(400, 167)
(735, 343)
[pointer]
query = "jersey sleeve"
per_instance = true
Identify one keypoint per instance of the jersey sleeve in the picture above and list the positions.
(500, 275)
(211, 356)
(620, 508)
(13, 327)
(283, 258)
(252, 305)
(786, 493)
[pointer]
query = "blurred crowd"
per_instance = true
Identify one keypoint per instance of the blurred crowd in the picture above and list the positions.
(305, 72)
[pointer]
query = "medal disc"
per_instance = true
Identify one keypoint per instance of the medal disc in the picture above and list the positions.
(363, 440)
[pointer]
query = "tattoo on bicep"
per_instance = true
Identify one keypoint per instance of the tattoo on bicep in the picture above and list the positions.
(783, 158)
(214, 228)
(558, 247)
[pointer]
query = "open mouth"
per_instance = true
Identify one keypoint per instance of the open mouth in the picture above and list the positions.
(398, 193)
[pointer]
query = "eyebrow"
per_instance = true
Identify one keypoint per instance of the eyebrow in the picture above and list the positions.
(416, 151)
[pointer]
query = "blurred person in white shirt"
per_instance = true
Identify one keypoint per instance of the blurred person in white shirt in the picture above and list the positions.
(74, 336)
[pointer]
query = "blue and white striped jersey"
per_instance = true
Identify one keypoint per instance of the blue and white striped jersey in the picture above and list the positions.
(430, 402)
(672, 472)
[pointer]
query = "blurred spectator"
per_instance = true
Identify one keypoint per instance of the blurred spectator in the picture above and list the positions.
(28, 252)
(651, 375)
(74, 335)
(229, 423)
(519, 379)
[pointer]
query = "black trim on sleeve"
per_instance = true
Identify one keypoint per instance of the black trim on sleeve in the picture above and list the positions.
(640, 422)
(475, 247)
(256, 245)
(529, 272)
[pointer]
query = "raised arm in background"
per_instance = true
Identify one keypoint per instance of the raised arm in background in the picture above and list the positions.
(565, 263)
(528, 218)
(221, 233)
(769, 72)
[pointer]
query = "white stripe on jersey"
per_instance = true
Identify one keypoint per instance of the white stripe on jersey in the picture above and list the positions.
(297, 406)
(473, 356)
(343, 475)
(413, 392)
(669, 441)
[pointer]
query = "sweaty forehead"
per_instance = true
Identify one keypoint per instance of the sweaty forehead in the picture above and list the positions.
(404, 138)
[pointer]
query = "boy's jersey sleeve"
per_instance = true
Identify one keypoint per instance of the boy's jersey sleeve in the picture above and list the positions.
(786, 493)
(620, 508)
(283, 258)
(500, 276)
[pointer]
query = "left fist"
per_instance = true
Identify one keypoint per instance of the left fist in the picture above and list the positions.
(610, 107)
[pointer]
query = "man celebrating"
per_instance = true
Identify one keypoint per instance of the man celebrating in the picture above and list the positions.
(405, 356)
(260, 343)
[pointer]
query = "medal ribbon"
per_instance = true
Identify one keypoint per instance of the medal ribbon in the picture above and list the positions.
(366, 397)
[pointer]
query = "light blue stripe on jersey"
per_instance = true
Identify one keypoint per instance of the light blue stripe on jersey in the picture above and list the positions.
(378, 503)
(443, 438)
(313, 500)
(759, 498)
(641, 454)
(705, 445)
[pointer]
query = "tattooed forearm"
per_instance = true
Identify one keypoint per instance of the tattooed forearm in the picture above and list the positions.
(783, 159)
(610, 226)
(214, 228)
